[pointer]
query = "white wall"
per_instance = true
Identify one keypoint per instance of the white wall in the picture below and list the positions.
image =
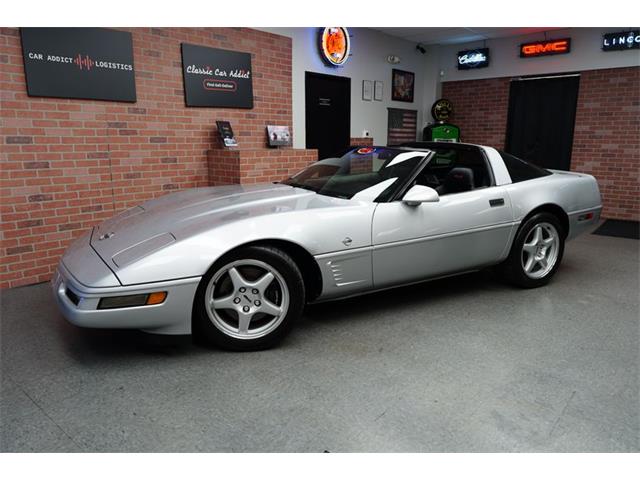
(369, 49)
(505, 61)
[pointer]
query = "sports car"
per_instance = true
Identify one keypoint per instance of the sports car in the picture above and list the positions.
(236, 264)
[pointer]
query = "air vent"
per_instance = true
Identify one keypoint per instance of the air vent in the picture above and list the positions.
(72, 296)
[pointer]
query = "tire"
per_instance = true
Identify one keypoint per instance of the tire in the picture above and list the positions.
(534, 260)
(249, 299)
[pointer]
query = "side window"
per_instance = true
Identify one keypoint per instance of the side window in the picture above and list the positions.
(519, 170)
(455, 170)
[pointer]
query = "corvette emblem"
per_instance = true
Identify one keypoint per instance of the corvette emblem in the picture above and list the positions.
(104, 236)
(365, 150)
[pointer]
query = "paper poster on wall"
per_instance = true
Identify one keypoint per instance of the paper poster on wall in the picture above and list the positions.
(216, 78)
(82, 63)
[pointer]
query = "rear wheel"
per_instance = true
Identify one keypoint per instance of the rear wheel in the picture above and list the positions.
(249, 299)
(536, 252)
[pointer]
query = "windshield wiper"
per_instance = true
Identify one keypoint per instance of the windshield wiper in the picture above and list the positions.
(333, 193)
(300, 185)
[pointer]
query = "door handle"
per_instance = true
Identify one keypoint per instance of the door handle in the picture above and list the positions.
(496, 202)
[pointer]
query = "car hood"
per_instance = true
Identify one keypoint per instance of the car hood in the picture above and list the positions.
(155, 224)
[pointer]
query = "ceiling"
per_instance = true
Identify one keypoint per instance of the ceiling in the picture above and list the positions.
(453, 35)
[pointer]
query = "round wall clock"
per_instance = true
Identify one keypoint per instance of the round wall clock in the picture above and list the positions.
(335, 45)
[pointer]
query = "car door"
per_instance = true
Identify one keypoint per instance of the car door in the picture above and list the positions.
(462, 231)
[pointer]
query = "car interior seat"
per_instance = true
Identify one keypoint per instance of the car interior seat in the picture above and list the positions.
(459, 179)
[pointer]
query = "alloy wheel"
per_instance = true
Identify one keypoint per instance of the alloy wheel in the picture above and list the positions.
(540, 250)
(247, 299)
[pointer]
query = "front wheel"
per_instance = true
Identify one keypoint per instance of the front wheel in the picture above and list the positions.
(536, 252)
(249, 299)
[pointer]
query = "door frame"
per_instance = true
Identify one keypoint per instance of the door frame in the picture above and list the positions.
(309, 74)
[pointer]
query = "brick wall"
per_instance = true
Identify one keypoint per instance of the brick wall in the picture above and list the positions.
(361, 141)
(480, 109)
(606, 139)
(69, 164)
(256, 166)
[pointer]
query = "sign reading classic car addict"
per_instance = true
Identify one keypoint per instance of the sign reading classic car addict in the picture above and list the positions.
(216, 78)
(87, 63)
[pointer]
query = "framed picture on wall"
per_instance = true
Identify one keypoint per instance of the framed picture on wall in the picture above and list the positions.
(279, 135)
(402, 84)
(378, 88)
(367, 90)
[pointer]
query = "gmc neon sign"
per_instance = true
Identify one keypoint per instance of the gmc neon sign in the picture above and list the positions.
(550, 47)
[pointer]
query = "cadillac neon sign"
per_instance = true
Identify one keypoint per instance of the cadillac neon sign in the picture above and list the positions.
(468, 59)
(550, 47)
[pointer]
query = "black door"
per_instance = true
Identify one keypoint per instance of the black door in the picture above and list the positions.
(328, 113)
(542, 113)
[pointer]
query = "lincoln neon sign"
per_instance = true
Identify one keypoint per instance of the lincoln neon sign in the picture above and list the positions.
(550, 47)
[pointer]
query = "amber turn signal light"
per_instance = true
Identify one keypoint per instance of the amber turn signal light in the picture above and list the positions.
(156, 297)
(137, 300)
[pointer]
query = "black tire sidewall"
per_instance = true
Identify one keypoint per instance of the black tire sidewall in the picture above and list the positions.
(513, 266)
(204, 329)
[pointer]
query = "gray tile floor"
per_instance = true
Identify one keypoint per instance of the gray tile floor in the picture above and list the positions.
(462, 364)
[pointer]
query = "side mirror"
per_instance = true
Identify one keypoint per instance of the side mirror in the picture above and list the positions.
(420, 194)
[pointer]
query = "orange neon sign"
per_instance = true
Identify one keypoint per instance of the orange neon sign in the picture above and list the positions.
(551, 47)
(335, 45)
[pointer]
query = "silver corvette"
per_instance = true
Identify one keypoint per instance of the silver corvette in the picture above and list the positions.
(236, 264)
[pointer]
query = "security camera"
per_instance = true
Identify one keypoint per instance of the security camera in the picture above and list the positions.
(421, 49)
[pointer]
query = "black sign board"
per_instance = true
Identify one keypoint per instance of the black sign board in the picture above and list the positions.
(216, 78)
(621, 40)
(478, 58)
(88, 63)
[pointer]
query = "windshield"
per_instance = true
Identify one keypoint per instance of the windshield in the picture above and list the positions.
(363, 174)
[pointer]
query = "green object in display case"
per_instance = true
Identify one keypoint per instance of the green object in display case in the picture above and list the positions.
(441, 132)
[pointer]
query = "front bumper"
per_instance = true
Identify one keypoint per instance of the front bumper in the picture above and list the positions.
(79, 304)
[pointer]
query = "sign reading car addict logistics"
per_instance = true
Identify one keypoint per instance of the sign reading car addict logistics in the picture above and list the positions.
(621, 41)
(216, 78)
(547, 47)
(478, 58)
(87, 63)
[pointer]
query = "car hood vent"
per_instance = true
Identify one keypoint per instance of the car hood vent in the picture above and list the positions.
(142, 249)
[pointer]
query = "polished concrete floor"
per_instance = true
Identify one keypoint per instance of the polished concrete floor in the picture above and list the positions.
(462, 364)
